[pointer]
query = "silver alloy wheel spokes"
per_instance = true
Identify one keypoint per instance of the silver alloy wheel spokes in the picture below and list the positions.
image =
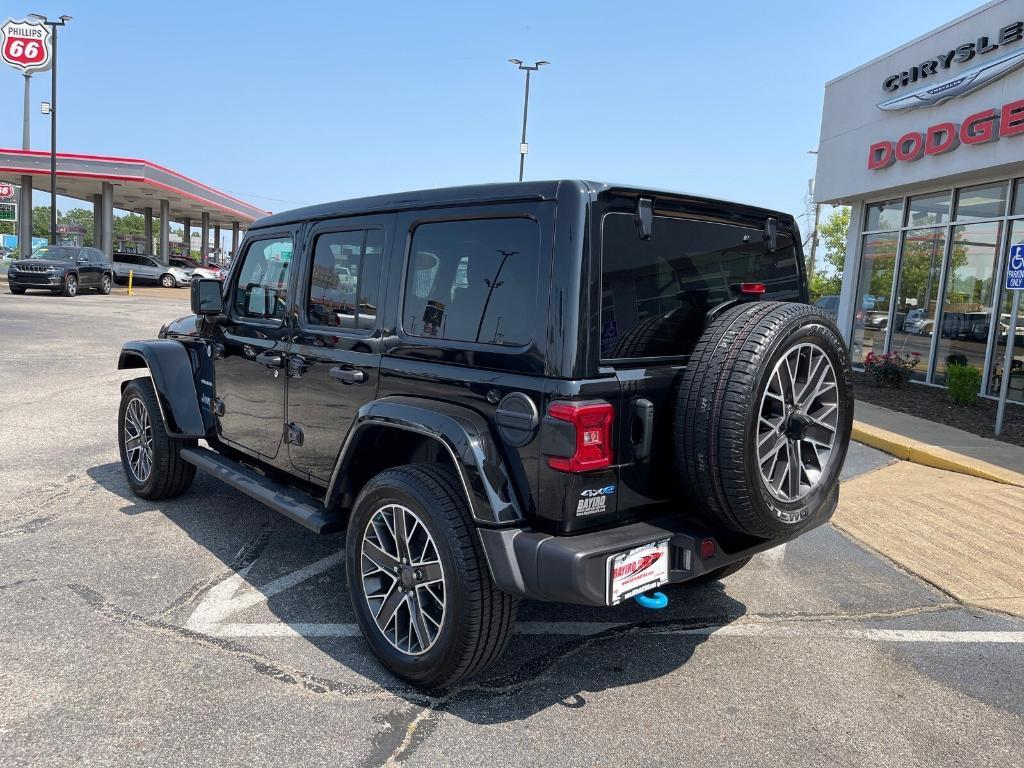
(138, 439)
(403, 579)
(72, 285)
(797, 423)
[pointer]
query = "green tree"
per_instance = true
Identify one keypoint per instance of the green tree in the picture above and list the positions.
(79, 217)
(41, 221)
(828, 281)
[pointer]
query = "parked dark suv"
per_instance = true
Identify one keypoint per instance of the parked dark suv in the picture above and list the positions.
(564, 391)
(62, 269)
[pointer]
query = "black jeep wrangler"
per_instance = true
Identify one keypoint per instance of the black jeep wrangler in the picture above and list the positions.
(565, 391)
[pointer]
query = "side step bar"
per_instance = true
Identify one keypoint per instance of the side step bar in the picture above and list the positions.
(291, 503)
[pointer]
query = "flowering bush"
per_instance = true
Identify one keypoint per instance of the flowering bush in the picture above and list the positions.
(891, 369)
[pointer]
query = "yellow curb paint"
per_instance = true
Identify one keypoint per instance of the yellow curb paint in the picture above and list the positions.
(908, 449)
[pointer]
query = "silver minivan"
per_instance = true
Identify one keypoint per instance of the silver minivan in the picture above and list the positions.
(146, 269)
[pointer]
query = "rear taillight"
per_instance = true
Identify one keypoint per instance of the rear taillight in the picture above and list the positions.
(752, 288)
(592, 442)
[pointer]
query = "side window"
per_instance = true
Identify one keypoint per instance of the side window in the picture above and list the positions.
(473, 281)
(147, 262)
(262, 288)
(95, 255)
(345, 280)
(125, 258)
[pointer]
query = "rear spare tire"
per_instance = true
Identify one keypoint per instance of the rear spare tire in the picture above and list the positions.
(763, 417)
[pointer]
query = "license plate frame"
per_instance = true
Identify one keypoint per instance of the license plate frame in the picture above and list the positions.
(640, 569)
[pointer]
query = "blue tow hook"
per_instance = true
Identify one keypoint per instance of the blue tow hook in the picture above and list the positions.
(656, 600)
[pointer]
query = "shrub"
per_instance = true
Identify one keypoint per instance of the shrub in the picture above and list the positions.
(963, 382)
(891, 369)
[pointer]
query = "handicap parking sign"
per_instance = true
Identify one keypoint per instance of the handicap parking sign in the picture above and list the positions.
(1015, 268)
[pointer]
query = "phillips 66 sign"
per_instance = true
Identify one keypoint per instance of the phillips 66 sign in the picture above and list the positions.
(26, 45)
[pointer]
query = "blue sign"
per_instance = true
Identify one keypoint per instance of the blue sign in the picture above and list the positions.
(1015, 268)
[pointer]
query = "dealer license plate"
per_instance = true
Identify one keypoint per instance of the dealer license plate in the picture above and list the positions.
(636, 571)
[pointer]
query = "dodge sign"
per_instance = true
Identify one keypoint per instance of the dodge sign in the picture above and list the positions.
(26, 45)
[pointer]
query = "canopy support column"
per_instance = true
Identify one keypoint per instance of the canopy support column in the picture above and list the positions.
(204, 250)
(97, 221)
(25, 218)
(234, 240)
(186, 236)
(107, 221)
(147, 229)
(165, 232)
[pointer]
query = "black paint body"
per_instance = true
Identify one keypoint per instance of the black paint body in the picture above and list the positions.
(285, 396)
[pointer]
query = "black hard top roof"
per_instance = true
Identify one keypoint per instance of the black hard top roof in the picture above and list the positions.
(465, 195)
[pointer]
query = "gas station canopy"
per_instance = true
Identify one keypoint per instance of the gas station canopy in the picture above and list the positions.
(136, 185)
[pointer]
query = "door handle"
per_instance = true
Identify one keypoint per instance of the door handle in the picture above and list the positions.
(348, 375)
(270, 359)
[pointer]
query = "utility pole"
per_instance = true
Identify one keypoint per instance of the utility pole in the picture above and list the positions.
(523, 146)
(53, 122)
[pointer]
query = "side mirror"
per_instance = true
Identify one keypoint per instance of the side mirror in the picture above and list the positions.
(206, 296)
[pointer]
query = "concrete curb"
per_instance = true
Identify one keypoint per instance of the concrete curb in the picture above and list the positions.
(917, 452)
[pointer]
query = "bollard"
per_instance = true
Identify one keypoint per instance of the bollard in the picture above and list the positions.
(131, 275)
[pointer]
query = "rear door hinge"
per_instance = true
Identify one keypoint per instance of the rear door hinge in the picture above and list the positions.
(293, 434)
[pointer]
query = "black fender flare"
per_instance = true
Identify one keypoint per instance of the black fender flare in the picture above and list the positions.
(465, 435)
(170, 367)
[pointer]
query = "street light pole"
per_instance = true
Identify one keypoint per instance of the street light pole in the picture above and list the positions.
(53, 122)
(526, 107)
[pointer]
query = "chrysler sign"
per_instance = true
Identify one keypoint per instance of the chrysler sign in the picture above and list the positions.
(979, 128)
(939, 80)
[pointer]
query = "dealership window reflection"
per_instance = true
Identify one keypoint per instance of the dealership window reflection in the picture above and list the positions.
(917, 295)
(871, 317)
(967, 305)
(1015, 388)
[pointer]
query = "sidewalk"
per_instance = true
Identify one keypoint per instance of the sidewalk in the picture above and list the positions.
(936, 445)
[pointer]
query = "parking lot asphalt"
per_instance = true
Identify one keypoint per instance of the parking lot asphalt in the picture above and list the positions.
(209, 631)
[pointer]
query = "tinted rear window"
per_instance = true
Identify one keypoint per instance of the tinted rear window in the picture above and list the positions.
(656, 292)
(473, 281)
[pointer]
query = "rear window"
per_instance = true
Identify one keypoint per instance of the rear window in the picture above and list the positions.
(473, 281)
(656, 292)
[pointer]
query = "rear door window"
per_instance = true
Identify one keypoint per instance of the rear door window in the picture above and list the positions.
(345, 280)
(656, 292)
(473, 281)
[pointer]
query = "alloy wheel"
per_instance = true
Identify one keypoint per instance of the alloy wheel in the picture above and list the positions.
(403, 579)
(798, 422)
(138, 439)
(72, 285)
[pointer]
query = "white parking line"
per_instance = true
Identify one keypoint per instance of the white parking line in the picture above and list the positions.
(769, 628)
(229, 598)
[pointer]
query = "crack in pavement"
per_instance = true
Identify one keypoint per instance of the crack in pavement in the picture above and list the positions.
(405, 731)
(247, 554)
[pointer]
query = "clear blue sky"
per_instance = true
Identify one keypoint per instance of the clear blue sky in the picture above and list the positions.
(286, 104)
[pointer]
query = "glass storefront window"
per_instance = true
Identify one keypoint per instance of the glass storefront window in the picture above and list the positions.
(987, 201)
(917, 294)
(1018, 198)
(885, 215)
(871, 316)
(967, 305)
(927, 210)
(1015, 389)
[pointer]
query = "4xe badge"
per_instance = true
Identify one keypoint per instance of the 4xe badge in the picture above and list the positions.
(594, 501)
(26, 46)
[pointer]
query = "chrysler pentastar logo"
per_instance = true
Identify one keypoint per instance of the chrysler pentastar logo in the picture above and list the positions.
(960, 85)
(922, 76)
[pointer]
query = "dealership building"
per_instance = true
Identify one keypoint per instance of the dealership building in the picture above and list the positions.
(926, 146)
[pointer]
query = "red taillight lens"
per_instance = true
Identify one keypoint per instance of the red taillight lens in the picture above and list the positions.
(752, 288)
(593, 425)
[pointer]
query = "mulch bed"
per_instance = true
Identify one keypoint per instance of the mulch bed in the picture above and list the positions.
(934, 404)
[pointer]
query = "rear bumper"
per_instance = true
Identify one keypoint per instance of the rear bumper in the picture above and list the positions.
(575, 569)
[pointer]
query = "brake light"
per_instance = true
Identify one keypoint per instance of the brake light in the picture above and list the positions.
(593, 442)
(752, 288)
